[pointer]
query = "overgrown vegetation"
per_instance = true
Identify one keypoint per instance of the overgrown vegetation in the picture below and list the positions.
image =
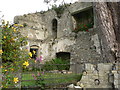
(56, 64)
(59, 10)
(84, 27)
(84, 20)
(50, 79)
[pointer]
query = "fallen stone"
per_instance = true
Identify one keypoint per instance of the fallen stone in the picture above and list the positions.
(78, 83)
(71, 86)
(81, 85)
(69, 72)
(77, 87)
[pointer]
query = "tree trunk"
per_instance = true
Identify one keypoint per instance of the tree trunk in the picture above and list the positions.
(107, 16)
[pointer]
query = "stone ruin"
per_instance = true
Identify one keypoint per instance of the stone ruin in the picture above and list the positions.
(52, 34)
(102, 75)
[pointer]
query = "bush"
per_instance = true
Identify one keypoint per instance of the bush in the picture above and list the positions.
(48, 66)
(62, 63)
(14, 58)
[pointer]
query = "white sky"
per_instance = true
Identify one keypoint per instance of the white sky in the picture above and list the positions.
(11, 8)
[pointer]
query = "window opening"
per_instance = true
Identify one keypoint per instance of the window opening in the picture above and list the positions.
(34, 51)
(54, 28)
(83, 20)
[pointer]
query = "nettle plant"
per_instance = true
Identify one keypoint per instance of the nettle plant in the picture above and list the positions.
(14, 58)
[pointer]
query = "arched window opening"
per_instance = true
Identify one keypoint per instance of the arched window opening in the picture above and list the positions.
(54, 27)
(34, 51)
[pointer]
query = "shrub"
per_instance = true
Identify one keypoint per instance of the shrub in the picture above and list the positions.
(62, 63)
(48, 66)
(14, 58)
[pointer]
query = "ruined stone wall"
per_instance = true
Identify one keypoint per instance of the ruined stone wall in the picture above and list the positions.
(87, 48)
(102, 75)
(39, 31)
(83, 46)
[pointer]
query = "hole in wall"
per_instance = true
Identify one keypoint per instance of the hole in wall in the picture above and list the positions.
(83, 20)
(54, 27)
(34, 51)
(97, 81)
(65, 57)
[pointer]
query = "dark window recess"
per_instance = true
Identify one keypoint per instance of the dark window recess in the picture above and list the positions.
(34, 51)
(63, 56)
(84, 18)
(54, 27)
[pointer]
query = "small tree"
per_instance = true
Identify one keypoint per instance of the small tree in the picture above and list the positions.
(14, 58)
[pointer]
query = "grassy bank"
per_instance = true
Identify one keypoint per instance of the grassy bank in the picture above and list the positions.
(50, 78)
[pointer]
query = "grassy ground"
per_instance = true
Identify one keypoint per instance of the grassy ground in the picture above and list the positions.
(50, 78)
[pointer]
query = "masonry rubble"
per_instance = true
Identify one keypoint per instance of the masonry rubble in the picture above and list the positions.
(99, 76)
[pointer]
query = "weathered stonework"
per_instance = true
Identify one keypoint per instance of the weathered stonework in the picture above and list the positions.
(101, 75)
(84, 47)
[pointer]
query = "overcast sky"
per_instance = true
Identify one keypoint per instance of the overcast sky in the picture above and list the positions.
(11, 8)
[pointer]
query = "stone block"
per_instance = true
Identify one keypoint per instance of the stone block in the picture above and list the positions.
(94, 77)
(116, 82)
(116, 76)
(89, 67)
(89, 72)
(101, 73)
(104, 66)
(77, 87)
(114, 71)
(85, 78)
(71, 86)
(117, 86)
(95, 72)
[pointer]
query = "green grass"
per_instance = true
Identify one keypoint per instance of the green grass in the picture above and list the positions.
(50, 78)
(27, 77)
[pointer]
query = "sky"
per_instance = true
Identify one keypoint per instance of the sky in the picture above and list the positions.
(11, 8)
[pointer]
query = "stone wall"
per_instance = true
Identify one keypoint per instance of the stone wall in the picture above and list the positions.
(83, 46)
(102, 75)
(87, 48)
